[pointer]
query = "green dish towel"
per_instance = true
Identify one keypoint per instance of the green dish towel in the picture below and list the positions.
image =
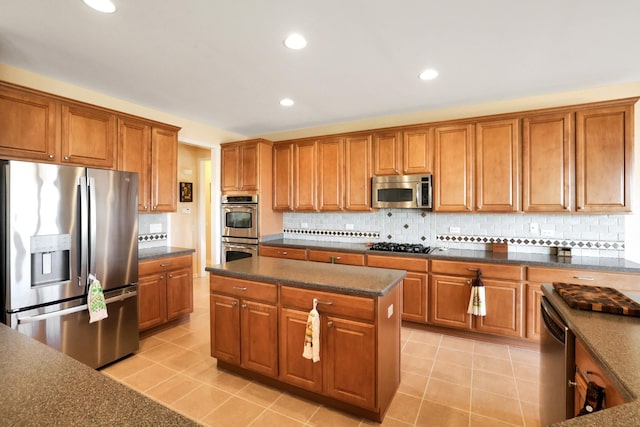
(95, 301)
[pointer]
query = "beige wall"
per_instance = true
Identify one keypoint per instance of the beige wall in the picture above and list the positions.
(191, 132)
(185, 225)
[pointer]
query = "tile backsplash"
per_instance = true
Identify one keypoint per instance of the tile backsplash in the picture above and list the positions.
(152, 230)
(587, 235)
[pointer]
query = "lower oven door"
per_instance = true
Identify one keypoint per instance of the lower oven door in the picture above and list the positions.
(233, 251)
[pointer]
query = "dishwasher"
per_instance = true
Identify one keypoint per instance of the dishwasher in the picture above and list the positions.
(557, 367)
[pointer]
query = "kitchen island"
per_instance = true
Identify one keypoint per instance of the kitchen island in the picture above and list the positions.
(259, 311)
(45, 387)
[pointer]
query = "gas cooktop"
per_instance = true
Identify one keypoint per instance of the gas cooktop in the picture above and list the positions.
(416, 248)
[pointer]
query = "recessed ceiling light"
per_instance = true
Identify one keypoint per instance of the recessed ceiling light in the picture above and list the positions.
(286, 102)
(429, 74)
(104, 6)
(295, 41)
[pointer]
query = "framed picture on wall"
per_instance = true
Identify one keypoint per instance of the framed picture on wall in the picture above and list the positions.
(186, 192)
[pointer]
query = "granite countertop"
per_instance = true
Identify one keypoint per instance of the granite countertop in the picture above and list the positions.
(347, 279)
(45, 387)
(162, 252)
(591, 263)
(614, 341)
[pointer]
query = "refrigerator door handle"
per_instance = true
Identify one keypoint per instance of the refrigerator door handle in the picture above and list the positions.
(60, 313)
(92, 225)
(82, 244)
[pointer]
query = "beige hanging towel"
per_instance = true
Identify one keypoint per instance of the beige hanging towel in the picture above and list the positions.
(477, 303)
(312, 335)
(95, 301)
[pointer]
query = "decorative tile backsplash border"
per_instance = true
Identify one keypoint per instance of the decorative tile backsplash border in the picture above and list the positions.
(334, 233)
(527, 241)
(152, 237)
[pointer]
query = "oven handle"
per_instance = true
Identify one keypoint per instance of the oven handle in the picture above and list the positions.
(231, 245)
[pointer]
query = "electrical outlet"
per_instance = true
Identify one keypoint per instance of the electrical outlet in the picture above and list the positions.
(547, 233)
(348, 227)
(454, 230)
(534, 228)
(304, 225)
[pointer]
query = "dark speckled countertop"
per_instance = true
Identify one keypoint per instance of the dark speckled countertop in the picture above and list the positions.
(45, 387)
(591, 263)
(613, 340)
(162, 252)
(347, 279)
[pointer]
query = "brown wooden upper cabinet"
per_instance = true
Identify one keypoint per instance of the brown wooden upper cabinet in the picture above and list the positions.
(548, 162)
(497, 156)
(305, 166)
(283, 177)
(28, 126)
(403, 152)
(331, 174)
(604, 139)
(242, 165)
(152, 152)
(452, 188)
(88, 136)
(357, 172)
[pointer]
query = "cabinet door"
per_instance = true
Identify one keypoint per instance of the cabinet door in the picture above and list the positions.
(283, 177)
(449, 300)
(452, 187)
(498, 166)
(27, 126)
(259, 337)
(295, 369)
(349, 374)
(249, 167)
(225, 328)
(152, 300)
(331, 174)
(547, 153)
(504, 309)
(387, 153)
(305, 161)
(134, 154)
(358, 173)
(164, 170)
(534, 294)
(414, 297)
(230, 165)
(179, 293)
(604, 159)
(88, 137)
(417, 151)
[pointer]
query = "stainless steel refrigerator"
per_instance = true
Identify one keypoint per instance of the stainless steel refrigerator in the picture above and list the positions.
(58, 225)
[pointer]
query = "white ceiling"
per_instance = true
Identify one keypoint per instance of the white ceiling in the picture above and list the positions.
(222, 62)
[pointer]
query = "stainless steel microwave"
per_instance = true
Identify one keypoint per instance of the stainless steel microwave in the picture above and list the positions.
(402, 191)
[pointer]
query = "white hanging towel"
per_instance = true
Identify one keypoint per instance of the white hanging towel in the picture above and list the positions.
(477, 303)
(312, 335)
(95, 300)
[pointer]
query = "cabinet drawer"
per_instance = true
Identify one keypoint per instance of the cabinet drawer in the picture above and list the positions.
(399, 263)
(584, 277)
(244, 288)
(277, 252)
(163, 264)
(494, 271)
(341, 305)
(338, 257)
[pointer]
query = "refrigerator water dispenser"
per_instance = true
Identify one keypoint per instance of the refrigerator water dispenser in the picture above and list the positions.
(50, 259)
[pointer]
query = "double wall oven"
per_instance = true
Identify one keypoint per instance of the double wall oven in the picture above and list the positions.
(239, 226)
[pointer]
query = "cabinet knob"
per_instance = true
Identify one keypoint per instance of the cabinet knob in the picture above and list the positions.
(162, 277)
(233, 304)
(51, 156)
(66, 157)
(468, 282)
(170, 276)
(244, 305)
(153, 208)
(329, 324)
(145, 207)
(284, 253)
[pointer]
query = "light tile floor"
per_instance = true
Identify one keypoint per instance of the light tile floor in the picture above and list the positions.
(446, 381)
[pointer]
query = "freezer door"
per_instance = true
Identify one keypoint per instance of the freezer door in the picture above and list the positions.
(66, 328)
(42, 219)
(113, 231)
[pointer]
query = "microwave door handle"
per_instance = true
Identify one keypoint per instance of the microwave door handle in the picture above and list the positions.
(419, 195)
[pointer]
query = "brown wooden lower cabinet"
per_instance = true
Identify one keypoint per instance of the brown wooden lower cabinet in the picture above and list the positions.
(279, 252)
(165, 290)
(257, 331)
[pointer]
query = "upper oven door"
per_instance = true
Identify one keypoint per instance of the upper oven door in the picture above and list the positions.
(395, 195)
(240, 221)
